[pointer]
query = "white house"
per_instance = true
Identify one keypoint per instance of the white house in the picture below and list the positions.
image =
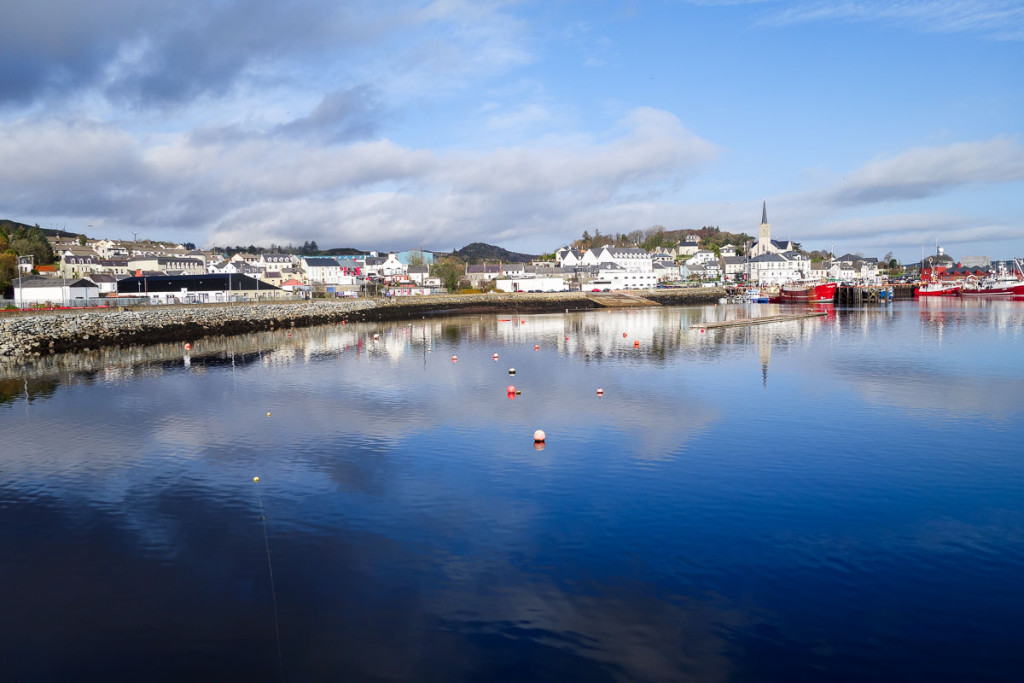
(702, 256)
(39, 290)
(569, 258)
(620, 278)
(666, 271)
(532, 284)
(632, 260)
(391, 267)
(778, 268)
(734, 267)
(322, 270)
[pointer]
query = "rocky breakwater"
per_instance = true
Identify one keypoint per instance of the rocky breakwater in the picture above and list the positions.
(26, 334)
(34, 334)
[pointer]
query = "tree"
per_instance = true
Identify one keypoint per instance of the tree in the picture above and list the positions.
(81, 240)
(449, 271)
(8, 268)
(416, 258)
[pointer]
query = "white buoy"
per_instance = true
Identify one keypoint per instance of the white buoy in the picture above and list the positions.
(511, 371)
(454, 358)
(600, 391)
(539, 436)
(495, 356)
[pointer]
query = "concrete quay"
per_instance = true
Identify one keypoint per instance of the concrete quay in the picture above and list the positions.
(28, 334)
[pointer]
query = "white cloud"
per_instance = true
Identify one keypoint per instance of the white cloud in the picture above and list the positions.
(925, 171)
(370, 194)
(994, 19)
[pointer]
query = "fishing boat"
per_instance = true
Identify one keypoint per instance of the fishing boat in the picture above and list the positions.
(937, 288)
(808, 292)
(999, 285)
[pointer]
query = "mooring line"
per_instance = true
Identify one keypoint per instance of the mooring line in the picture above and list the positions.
(273, 588)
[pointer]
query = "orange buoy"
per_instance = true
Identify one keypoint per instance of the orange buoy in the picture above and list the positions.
(623, 334)
(454, 358)
(536, 347)
(636, 344)
(188, 346)
(511, 389)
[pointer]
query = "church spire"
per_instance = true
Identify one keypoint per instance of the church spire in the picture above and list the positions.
(764, 212)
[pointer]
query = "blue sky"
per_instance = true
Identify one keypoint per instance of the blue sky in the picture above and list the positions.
(876, 126)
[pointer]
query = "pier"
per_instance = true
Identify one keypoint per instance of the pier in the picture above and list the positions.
(760, 320)
(866, 294)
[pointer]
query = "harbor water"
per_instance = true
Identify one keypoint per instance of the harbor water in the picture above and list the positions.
(832, 498)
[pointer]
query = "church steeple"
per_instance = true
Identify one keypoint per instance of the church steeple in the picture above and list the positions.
(764, 212)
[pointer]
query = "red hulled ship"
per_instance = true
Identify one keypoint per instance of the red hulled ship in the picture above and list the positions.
(808, 293)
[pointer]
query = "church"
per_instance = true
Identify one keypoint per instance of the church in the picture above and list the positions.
(765, 244)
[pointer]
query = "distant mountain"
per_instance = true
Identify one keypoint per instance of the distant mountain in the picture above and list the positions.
(342, 251)
(478, 251)
(9, 225)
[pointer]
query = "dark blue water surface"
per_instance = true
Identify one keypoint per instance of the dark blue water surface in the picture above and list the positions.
(838, 498)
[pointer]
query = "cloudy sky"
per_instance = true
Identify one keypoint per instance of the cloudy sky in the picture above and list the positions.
(879, 126)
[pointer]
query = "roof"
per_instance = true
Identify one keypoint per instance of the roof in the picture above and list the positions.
(764, 212)
(41, 281)
(320, 262)
(211, 282)
(766, 258)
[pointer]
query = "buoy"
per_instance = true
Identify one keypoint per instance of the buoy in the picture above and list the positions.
(375, 336)
(518, 393)
(600, 391)
(536, 347)
(523, 322)
(567, 338)
(289, 334)
(636, 344)
(188, 346)
(702, 330)
(511, 371)
(495, 356)
(455, 358)
(511, 389)
(624, 335)
(256, 479)
(268, 414)
(539, 436)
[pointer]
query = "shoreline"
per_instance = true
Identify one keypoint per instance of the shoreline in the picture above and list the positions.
(25, 335)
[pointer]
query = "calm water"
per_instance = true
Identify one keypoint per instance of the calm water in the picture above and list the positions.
(839, 498)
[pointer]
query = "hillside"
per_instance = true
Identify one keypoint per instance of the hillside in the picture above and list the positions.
(8, 225)
(478, 252)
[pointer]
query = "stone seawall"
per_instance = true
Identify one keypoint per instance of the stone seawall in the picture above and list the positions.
(26, 334)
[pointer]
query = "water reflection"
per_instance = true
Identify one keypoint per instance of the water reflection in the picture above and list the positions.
(740, 501)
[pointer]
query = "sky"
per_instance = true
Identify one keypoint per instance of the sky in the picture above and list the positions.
(870, 126)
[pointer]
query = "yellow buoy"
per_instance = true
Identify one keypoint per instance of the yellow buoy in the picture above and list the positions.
(256, 479)
(268, 414)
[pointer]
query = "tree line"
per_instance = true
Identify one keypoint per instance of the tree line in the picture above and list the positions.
(17, 240)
